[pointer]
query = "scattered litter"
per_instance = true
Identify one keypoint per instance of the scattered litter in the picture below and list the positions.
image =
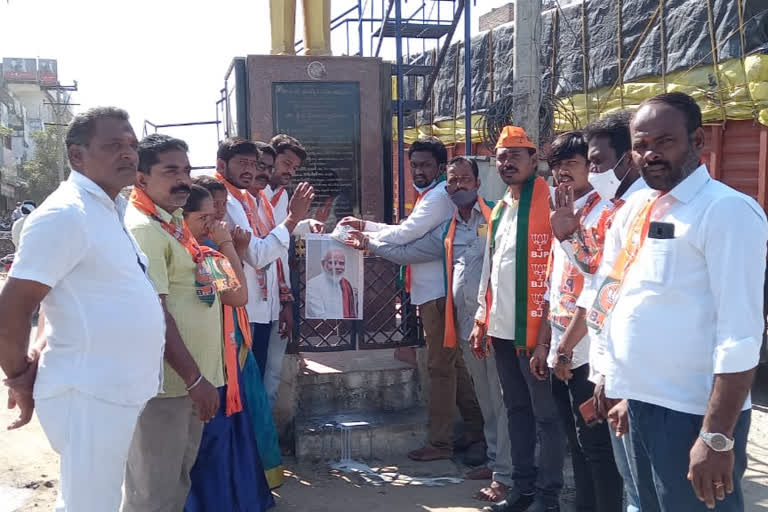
(370, 476)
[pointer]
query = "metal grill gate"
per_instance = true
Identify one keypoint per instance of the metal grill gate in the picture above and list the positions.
(389, 319)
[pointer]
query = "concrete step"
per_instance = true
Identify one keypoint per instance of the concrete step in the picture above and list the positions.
(365, 380)
(366, 434)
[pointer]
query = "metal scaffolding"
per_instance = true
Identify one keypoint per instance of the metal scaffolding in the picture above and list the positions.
(408, 24)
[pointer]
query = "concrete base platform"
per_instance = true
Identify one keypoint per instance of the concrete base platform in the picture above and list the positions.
(366, 435)
(351, 381)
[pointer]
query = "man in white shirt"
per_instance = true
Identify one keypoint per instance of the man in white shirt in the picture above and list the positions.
(26, 208)
(599, 486)
(461, 243)
(511, 300)
(284, 155)
(426, 284)
(329, 294)
(16, 213)
(615, 178)
(270, 306)
(104, 324)
(679, 297)
(237, 162)
(289, 155)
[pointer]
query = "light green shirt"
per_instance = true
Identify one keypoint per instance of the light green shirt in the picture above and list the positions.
(172, 271)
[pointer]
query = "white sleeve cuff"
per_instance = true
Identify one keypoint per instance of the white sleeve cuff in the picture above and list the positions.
(594, 375)
(734, 356)
(374, 245)
(372, 226)
(302, 228)
(30, 274)
(282, 234)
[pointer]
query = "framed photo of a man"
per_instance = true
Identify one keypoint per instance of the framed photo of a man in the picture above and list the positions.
(334, 289)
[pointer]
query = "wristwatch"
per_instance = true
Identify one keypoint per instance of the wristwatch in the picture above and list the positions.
(718, 442)
(563, 359)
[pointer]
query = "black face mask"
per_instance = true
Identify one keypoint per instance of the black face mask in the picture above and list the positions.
(464, 198)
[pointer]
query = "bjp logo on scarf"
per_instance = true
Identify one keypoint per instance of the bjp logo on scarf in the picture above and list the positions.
(538, 299)
(539, 270)
(608, 295)
(539, 240)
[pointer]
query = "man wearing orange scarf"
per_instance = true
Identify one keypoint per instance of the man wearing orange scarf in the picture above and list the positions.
(511, 309)
(425, 283)
(170, 427)
(238, 161)
(461, 244)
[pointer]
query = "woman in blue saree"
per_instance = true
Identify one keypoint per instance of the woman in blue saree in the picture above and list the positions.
(239, 459)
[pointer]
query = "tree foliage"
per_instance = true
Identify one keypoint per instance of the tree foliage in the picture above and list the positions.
(42, 172)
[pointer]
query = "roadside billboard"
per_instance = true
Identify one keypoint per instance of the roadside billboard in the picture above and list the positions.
(48, 69)
(19, 70)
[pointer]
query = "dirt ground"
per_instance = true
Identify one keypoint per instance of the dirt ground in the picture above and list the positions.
(29, 478)
(29, 475)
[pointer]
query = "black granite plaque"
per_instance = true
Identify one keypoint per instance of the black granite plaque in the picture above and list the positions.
(325, 117)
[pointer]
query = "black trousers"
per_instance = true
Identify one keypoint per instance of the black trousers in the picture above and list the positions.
(599, 486)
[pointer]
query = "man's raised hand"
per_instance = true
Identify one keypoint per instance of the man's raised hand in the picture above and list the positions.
(564, 220)
(301, 200)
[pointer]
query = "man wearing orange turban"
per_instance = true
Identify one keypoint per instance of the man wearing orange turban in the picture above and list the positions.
(512, 308)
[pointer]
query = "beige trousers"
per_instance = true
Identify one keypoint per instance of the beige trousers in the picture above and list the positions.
(163, 451)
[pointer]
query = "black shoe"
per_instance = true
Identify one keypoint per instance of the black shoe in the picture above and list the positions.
(514, 502)
(476, 454)
(461, 445)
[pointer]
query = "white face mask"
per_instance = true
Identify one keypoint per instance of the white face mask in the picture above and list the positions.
(606, 183)
(421, 190)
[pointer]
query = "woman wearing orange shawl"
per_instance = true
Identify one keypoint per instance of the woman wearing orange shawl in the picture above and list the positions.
(229, 473)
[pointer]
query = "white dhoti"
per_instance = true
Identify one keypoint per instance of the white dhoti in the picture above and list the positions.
(92, 438)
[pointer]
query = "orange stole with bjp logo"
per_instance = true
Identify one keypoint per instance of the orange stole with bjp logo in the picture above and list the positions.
(572, 280)
(608, 293)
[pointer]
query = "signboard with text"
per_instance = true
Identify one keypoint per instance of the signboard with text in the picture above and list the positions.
(19, 70)
(48, 70)
(325, 117)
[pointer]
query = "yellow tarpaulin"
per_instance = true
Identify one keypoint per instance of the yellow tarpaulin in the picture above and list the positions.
(739, 91)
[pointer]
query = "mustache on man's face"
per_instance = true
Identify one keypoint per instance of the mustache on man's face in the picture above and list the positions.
(181, 188)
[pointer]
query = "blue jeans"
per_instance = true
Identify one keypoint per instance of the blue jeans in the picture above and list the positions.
(622, 454)
(661, 441)
(532, 416)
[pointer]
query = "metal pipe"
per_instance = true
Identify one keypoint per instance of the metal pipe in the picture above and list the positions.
(360, 28)
(348, 11)
(373, 2)
(467, 78)
(400, 116)
(410, 18)
(384, 22)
